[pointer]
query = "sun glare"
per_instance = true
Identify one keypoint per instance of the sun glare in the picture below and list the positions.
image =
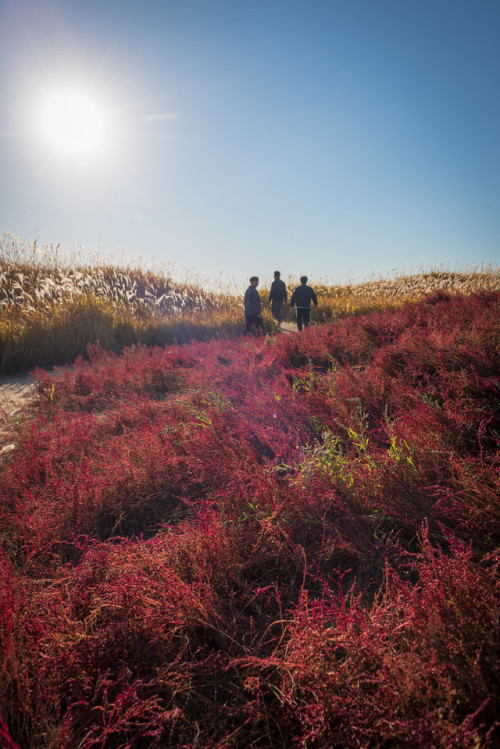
(73, 123)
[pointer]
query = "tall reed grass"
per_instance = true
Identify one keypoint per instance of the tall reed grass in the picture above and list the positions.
(53, 305)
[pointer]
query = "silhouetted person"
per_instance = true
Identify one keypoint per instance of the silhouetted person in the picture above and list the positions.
(302, 298)
(277, 296)
(253, 308)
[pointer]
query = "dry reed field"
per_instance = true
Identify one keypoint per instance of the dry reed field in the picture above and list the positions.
(53, 305)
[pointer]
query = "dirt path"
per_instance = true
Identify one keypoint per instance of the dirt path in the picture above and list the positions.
(16, 391)
(289, 327)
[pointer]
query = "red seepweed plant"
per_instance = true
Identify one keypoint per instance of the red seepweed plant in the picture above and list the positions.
(276, 542)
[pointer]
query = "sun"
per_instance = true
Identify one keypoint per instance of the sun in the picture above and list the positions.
(73, 122)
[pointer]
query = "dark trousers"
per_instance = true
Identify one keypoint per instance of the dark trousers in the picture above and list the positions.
(303, 317)
(276, 307)
(254, 320)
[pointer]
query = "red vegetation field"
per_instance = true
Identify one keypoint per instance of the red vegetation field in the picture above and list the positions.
(281, 542)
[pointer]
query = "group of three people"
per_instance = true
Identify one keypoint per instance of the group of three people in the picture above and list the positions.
(301, 299)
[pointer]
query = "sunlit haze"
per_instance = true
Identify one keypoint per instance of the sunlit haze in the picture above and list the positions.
(333, 138)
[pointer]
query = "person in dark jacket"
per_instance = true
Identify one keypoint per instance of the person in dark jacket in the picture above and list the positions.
(277, 296)
(253, 308)
(302, 298)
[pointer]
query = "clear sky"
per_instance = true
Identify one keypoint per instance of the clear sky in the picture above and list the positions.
(335, 138)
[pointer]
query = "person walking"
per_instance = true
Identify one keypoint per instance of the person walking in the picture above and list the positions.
(302, 298)
(253, 308)
(277, 296)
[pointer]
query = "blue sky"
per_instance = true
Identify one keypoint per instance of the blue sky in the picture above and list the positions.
(340, 138)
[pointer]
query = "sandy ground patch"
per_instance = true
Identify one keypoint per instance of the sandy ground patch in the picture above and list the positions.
(289, 327)
(16, 393)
